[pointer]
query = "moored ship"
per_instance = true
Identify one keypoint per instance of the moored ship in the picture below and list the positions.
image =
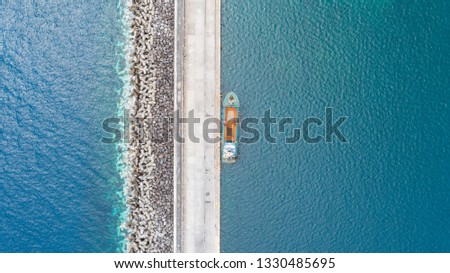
(230, 106)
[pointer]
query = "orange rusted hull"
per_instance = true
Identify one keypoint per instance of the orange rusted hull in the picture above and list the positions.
(230, 133)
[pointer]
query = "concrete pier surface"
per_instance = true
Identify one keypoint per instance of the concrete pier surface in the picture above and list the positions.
(197, 163)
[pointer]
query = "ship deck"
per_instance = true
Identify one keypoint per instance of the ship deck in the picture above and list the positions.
(230, 124)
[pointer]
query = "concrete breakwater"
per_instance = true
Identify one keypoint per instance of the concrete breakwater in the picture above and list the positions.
(150, 146)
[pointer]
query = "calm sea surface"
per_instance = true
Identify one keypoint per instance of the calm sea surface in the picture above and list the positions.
(59, 185)
(386, 66)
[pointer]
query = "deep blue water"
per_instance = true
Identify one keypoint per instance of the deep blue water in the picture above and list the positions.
(385, 64)
(59, 185)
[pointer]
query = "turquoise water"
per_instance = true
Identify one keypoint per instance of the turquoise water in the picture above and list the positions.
(385, 65)
(61, 64)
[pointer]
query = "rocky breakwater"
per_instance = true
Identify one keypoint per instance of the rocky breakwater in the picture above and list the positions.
(150, 146)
